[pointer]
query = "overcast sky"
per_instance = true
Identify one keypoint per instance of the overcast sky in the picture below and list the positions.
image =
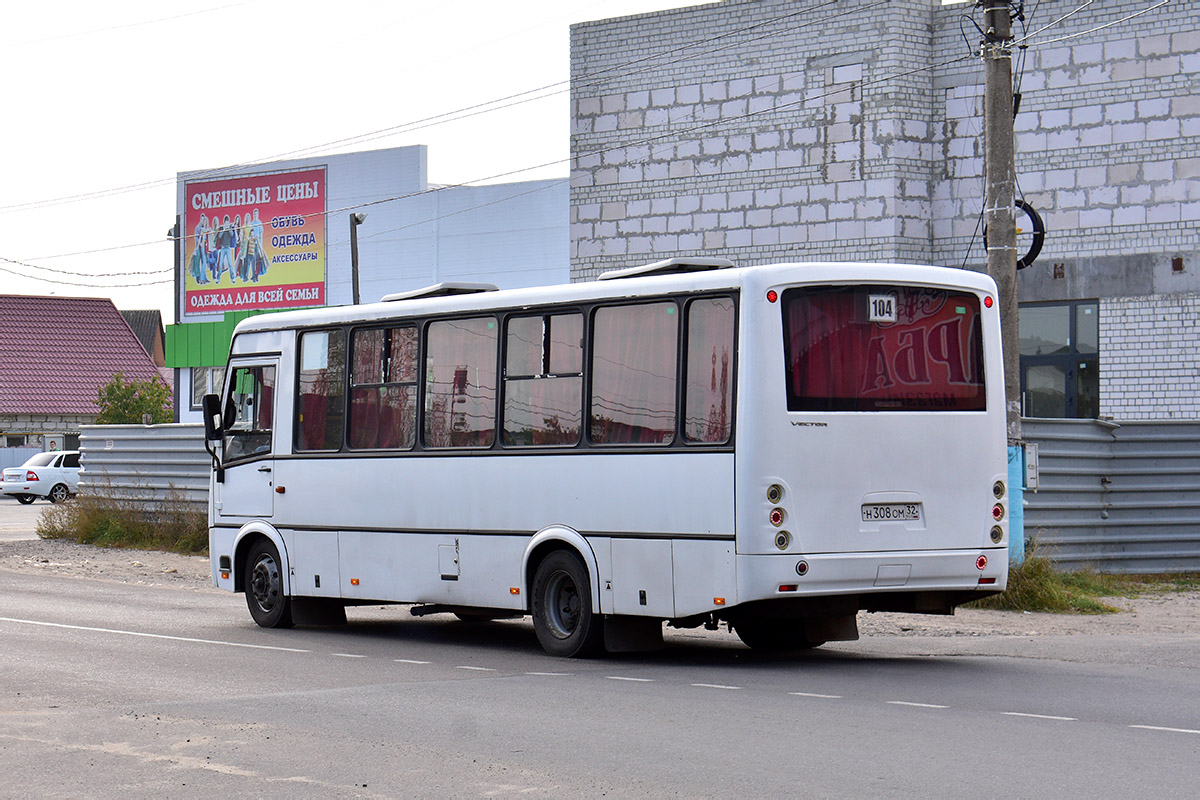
(100, 98)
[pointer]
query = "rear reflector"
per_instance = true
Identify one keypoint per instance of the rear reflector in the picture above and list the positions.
(788, 587)
(986, 581)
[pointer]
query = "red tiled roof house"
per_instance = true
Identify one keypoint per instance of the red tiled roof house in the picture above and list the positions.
(55, 354)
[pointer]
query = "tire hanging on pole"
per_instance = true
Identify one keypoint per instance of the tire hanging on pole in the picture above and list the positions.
(1039, 235)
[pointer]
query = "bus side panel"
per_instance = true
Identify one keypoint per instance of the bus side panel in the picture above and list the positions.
(705, 576)
(431, 568)
(655, 495)
(313, 557)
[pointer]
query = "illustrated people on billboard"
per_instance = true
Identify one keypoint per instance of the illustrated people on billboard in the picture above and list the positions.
(238, 249)
(225, 251)
(199, 261)
(210, 250)
(248, 264)
(256, 234)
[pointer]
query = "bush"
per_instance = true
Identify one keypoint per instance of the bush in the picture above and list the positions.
(1034, 585)
(175, 526)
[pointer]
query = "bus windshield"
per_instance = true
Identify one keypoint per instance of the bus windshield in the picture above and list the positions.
(882, 348)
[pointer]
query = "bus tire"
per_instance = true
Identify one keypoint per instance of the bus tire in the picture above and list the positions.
(774, 636)
(269, 605)
(562, 608)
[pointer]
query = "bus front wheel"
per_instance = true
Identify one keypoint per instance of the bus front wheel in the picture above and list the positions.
(268, 604)
(562, 608)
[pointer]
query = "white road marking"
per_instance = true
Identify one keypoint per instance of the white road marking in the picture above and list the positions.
(152, 635)
(633, 680)
(914, 705)
(409, 661)
(812, 694)
(714, 686)
(1037, 716)
(1168, 730)
(549, 674)
(346, 655)
(478, 669)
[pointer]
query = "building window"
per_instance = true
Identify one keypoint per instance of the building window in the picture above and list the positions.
(206, 380)
(1060, 359)
(15, 440)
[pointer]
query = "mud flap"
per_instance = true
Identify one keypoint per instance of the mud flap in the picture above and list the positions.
(625, 634)
(318, 611)
(831, 629)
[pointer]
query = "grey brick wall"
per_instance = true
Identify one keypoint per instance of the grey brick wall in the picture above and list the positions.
(767, 131)
(1148, 357)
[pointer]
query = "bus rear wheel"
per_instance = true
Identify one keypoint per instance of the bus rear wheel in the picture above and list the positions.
(268, 604)
(774, 636)
(562, 608)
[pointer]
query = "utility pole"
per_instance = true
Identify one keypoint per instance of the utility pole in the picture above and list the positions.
(1000, 218)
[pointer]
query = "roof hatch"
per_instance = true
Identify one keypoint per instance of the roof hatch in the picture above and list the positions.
(441, 290)
(670, 266)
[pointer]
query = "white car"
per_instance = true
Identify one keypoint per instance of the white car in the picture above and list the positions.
(54, 476)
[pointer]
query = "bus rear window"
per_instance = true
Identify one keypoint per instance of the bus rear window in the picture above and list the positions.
(882, 348)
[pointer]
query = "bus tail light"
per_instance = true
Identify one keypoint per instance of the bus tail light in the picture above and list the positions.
(801, 568)
(772, 295)
(998, 489)
(997, 534)
(981, 562)
(997, 512)
(783, 540)
(776, 517)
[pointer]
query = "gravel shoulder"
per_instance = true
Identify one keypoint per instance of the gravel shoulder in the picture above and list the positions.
(1151, 614)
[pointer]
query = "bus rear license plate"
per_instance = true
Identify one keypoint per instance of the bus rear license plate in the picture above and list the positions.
(886, 512)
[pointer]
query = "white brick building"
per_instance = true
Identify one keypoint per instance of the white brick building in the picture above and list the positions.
(765, 131)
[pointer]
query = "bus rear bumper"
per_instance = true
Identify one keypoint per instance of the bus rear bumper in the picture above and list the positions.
(926, 580)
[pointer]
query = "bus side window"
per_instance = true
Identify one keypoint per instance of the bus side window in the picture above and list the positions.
(633, 374)
(383, 389)
(460, 383)
(708, 392)
(543, 380)
(322, 390)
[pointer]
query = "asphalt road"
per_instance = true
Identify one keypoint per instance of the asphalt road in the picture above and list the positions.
(19, 521)
(110, 689)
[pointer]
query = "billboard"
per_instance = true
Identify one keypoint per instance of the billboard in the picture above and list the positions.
(254, 242)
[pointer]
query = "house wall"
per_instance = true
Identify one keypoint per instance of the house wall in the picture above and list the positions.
(856, 133)
(39, 425)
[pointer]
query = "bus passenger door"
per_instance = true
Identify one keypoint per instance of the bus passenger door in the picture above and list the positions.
(249, 443)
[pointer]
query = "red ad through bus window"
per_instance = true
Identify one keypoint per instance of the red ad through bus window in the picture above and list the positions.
(882, 348)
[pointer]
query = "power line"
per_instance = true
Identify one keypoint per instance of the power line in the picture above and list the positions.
(455, 115)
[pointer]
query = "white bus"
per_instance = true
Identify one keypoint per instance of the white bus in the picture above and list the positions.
(773, 447)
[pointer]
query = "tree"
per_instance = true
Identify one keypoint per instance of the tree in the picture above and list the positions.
(125, 402)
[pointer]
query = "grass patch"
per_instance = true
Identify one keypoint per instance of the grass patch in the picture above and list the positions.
(1034, 585)
(175, 526)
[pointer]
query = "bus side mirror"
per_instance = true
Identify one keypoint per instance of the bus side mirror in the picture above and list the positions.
(210, 406)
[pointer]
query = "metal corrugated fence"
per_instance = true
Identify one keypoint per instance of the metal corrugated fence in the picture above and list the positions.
(149, 464)
(1116, 497)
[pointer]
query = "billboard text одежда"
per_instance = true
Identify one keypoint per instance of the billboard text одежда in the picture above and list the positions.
(255, 242)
